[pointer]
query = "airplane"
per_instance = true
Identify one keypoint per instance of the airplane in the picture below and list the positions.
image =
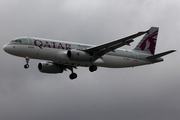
(60, 56)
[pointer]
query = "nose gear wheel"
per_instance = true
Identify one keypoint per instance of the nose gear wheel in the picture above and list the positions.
(27, 61)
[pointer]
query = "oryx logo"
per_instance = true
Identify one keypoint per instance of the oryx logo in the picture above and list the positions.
(78, 54)
(150, 42)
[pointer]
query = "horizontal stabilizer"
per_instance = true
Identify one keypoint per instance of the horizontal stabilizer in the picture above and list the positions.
(160, 54)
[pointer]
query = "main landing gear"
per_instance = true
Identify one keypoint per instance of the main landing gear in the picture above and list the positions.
(73, 75)
(92, 68)
(27, 61)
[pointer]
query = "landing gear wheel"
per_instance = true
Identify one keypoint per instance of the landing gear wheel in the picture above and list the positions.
(27, 61)
(26, 66)
(73, 76)
(92, 68)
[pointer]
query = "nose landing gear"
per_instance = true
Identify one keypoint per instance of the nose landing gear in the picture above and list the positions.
(27, 61)
(26, 66)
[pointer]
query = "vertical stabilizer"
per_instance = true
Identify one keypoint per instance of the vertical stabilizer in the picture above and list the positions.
(148, 42)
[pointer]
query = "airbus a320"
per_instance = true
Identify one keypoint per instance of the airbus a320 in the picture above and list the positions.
(60, 56)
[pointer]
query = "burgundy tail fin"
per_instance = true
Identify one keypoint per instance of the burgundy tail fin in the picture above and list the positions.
(148, 42)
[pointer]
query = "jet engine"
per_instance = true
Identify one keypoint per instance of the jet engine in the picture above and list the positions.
(48, 67)
(78, 55)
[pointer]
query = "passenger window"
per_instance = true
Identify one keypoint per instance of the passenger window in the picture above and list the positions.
(20, 41)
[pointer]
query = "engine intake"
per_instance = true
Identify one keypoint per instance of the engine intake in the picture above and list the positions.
(47, 67)
(78, 55)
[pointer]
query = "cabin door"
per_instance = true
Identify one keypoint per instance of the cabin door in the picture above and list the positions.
(30, 43)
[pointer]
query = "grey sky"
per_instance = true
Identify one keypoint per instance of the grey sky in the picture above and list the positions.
(149, 92)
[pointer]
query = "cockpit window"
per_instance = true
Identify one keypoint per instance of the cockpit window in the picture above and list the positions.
(16, 41)
(19, 41)
(12, 41)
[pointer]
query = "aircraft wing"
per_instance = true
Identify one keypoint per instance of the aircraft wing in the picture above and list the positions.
(102, 49)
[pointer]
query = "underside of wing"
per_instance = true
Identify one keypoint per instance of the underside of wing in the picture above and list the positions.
(102, 49)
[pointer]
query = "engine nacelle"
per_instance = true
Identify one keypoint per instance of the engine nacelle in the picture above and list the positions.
(47, 67)
(61, 55)
(78, 55)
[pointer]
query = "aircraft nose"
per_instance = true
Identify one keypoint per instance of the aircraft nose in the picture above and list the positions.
(6, 48)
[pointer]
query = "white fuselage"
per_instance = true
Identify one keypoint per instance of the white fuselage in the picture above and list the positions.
(56, 51)
(60, 55)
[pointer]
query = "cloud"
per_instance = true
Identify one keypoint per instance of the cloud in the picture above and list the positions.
(146, 92)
